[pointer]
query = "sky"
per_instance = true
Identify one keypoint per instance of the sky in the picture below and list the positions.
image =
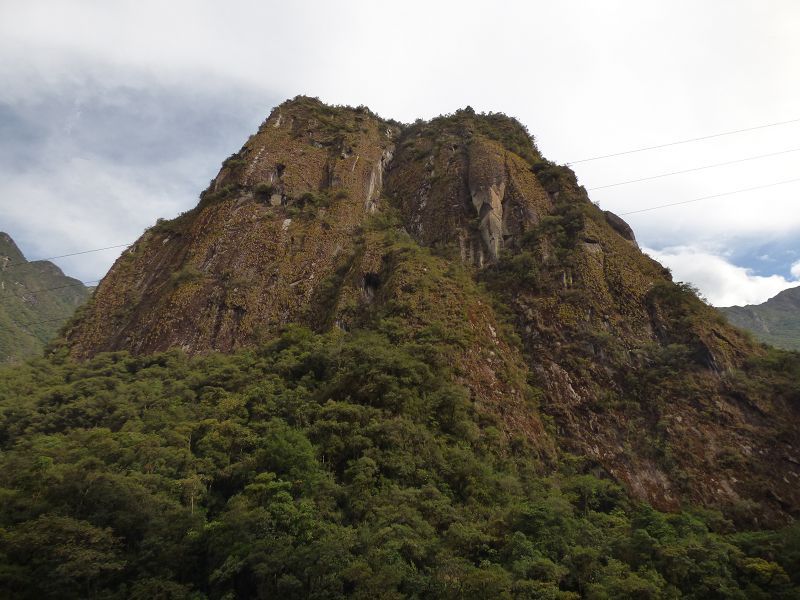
(116, 113)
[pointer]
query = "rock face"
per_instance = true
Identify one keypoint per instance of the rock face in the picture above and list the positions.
(458, 228)
(620, 226)
(776, 321)
(36, 299)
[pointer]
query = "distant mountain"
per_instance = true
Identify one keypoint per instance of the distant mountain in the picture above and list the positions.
(776, 321)
(36, 299)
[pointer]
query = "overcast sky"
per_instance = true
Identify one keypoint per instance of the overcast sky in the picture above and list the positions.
(115, 113)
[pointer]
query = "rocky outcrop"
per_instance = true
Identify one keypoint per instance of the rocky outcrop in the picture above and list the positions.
(620, 226)
(487, 187)
(470, 191)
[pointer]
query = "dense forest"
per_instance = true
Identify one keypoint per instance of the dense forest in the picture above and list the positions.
(325, 466)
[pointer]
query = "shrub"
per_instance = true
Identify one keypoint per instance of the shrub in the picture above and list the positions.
(186, 274)
(514, 271)
(234, 162)
(263, 190)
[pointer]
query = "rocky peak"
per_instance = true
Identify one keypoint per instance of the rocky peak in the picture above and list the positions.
(9, 252)
(280, 217)
(776, 321)
(458, 181)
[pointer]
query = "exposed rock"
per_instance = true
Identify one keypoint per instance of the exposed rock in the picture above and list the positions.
(620, 226)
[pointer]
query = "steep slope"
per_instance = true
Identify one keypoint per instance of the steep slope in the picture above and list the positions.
(776, 321)
(565, 335)
(36, 299)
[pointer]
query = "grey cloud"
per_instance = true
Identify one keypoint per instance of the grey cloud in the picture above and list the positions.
(140, 125)
(89, 166)
(145, 98)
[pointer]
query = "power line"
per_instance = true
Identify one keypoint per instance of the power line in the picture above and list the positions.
(27, 262)
(739, 191)
(686, 141)
(722, 164)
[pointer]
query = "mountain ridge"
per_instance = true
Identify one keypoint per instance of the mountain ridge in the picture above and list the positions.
(775, 322)
(31, 311)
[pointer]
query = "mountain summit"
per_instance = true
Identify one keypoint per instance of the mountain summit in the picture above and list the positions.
(458, 230)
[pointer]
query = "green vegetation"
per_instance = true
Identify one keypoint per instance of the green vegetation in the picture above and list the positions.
(208, 197)
(234, 162)
(514, 270)
(263, 191)
(499, 127)
(523, 269)
(324, 466)
(185, 275)
(36, 299)
(512, 134)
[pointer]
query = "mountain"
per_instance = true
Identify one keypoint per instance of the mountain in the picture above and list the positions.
(36, 299)
(775, 322)
(387, 360)
(459, 228)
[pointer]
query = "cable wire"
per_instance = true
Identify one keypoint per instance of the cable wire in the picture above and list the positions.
(27, 262)
(740, 191)
(686, 141)
(722, 164)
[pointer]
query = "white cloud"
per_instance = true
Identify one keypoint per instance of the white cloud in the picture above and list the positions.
(629, 74)
(723, 283)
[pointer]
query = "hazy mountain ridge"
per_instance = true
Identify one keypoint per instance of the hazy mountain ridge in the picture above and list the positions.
(775, 322)
(31, 311)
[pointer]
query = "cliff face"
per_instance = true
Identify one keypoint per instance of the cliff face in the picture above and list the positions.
(36, 299)
(561, 329)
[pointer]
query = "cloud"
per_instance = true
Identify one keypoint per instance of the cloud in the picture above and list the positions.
(156, 94)
(92, 164)
(723, 283)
